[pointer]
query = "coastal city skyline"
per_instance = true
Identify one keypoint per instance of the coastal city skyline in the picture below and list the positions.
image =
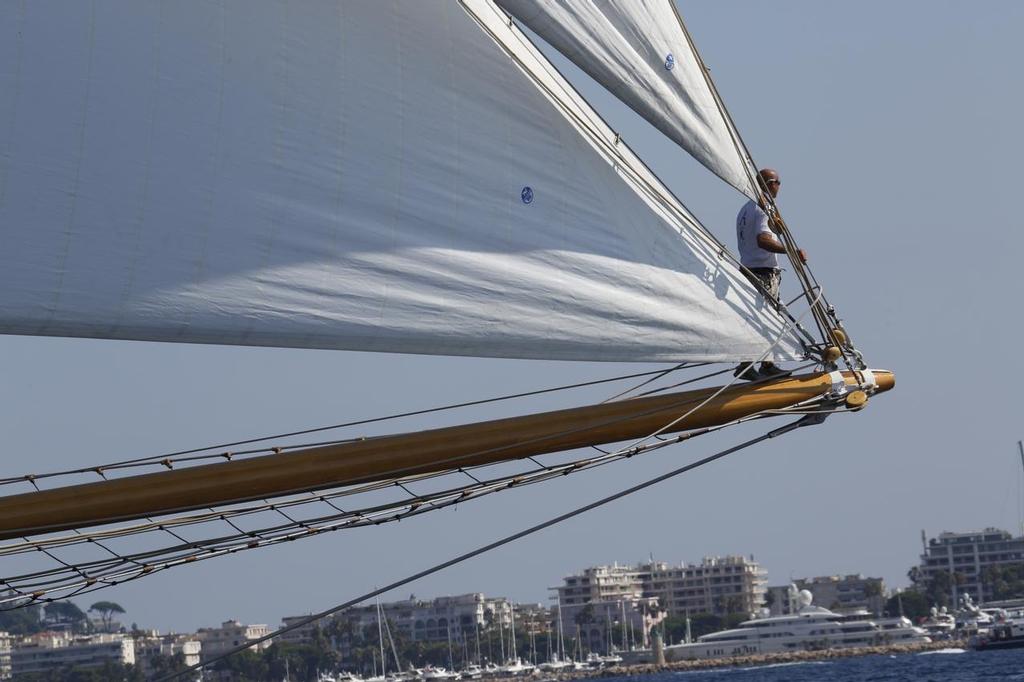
(604, 580)
(613, 615)
(898, 156)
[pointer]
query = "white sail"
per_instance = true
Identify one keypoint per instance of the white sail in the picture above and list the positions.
(388, 176)
(638, 50)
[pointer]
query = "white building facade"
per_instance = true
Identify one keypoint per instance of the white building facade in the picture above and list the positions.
(230, 634)
(49, 651)
(617, 605)
(171, 645)
(5, 655)
(420, 620)
(717, 585)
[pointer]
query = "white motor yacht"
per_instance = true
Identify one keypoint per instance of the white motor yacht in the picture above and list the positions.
(900, 630)
(1005, 635)
(811, 628)
(940, 624)
(970, 619)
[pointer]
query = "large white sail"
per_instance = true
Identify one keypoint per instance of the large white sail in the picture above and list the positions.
(390, 176)
(638, 50)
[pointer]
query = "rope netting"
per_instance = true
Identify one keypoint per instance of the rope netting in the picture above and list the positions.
(44, 567)
(815, 417)
(60, 565)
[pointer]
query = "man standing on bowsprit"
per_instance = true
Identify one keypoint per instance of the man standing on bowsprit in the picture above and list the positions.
(758, 247)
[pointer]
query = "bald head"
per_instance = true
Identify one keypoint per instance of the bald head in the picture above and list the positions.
(770, 181)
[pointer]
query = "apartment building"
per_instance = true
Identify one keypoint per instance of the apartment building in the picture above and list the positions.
(153, 644)
(716, 585)
(51, 651)
(421, 620)
(230, 634)
(968, 555)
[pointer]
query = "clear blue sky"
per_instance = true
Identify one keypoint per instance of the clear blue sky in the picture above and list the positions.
(896, 128)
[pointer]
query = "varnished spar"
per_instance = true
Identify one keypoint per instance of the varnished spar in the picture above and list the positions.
(397, 455)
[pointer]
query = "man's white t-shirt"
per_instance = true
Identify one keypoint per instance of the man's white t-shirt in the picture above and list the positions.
(751, 222)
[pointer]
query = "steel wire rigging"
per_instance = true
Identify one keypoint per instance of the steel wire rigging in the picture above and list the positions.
(808, 420)
(181, 539)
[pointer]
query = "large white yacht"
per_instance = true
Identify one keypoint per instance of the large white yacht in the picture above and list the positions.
(940, 624)
(811, 628)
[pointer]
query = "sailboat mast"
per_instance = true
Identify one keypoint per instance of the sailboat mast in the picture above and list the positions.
(501, 638)
(513, 654)
(1020, 495)
(451, 661)
(561, 641)
(380, 636)
(625, 646)
(608, 626)
(386, 457)
(394, 650)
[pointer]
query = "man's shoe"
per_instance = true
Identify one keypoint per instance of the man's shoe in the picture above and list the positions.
(747, 371)
(769, 370)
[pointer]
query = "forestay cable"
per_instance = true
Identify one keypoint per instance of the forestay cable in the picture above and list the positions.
(82, 576)
(179, 455)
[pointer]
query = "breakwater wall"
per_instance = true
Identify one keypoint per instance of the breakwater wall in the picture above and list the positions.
(761, 659)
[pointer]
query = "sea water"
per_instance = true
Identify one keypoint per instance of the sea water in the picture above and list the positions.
(948, 665)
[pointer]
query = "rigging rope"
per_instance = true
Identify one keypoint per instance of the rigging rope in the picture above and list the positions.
(824, 312)
(89, 576)
(97, 574)
(178, 456)
(660, 193)
(83, 577)
(804, 421)
(93, 575)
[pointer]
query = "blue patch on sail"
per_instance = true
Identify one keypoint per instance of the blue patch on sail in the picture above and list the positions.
(670, 62)
(527, 195)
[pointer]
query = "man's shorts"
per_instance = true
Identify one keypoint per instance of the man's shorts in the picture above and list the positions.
(768, 278)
